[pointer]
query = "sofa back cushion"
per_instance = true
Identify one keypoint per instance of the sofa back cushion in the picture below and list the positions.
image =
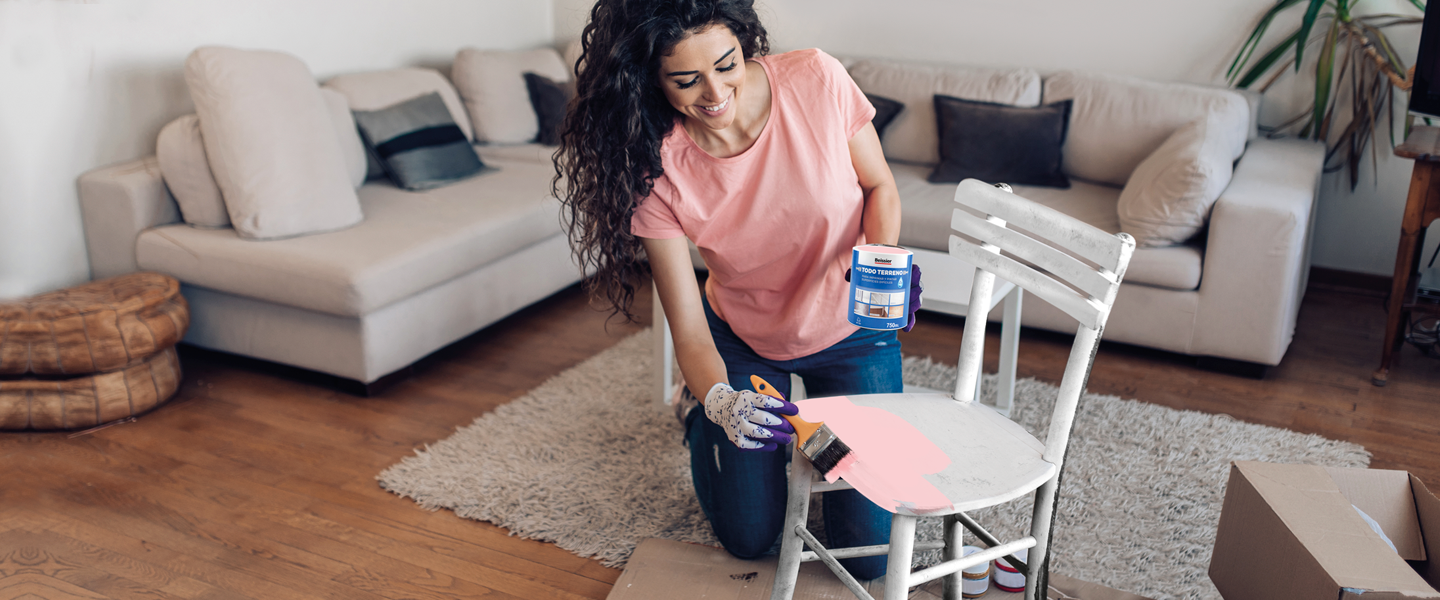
(911, 136)
(492, 83)
(271, 143)
(1168, 198)
(180, 150)
(1117, 121)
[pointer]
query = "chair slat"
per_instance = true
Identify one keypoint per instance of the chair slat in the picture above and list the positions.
(1087, 311)
(1063, 266)
(1085, 240)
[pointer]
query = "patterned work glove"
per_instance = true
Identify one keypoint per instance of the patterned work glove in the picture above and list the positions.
(747, 417)
(915, 289)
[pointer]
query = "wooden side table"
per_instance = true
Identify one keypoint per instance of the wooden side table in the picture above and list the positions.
(1422, 207)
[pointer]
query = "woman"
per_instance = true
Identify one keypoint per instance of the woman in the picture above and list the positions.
(684, 127)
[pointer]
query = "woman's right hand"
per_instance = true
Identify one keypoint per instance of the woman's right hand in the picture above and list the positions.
(747, 417)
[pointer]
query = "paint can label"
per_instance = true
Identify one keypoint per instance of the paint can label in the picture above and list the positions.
(880, 286)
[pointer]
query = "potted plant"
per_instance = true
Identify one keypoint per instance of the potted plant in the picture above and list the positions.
(1357, 69)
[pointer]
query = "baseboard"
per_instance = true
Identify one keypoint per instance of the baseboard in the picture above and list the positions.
(1352, 281)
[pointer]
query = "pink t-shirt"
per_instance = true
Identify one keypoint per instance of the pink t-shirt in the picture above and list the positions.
(776, 223)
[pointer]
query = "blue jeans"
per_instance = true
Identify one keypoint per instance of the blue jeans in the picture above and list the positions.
(743, 493)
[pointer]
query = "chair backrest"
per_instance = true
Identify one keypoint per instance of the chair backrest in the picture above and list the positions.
(1072, 265)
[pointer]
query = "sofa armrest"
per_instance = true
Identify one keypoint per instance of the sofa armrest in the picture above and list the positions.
(117, 203)
(1257, 256)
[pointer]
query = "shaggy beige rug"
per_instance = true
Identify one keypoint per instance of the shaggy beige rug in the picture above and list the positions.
(591, 462)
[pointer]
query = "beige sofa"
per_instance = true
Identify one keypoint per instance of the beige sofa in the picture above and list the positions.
(1230, 295)
(420, 271)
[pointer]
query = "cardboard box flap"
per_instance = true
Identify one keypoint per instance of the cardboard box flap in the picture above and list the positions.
(1428, 508)
(1322, 519)
(1386, 497)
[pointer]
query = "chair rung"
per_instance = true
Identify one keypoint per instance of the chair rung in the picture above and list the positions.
(859, 551)
(924, 576)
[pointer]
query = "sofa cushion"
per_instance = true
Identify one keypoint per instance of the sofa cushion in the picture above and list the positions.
(409, 242)
(1168, 198)
(348, 133)
(1117, 121)
(1019, 145)
(912, 136)
(885, 111)
(492, 84)
(180, 150)
(374, 90)
(418, 143)
(550, 100)
(926, 209)
(271, 143)
(535, 153)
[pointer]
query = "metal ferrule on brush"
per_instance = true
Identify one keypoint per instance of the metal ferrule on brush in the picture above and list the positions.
(818, 442)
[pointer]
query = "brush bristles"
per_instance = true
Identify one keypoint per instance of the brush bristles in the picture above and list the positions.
(830, 456)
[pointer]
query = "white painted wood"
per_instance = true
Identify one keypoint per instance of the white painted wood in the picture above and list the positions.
(797, 510)
(1060, 265)
(902, 548)
(1082, 309)
(992, 459)
(663, 349)
(1056, 227)
(1009, 352)
(953, 536)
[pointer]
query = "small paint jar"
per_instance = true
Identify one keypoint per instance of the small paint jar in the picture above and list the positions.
(976, 578)
(880, 287)
(1008, 578)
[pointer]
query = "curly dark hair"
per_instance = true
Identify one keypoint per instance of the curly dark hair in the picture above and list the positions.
(609, 153)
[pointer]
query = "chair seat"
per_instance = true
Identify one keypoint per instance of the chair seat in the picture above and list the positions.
(991, 458)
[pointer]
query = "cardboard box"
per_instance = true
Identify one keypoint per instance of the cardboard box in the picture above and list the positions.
(667, 569)
(1291, 531)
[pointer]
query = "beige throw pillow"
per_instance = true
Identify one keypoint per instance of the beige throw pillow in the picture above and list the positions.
(492, 83)
(349, 135)
(1168, 198)
(271, 143)
(180, 150)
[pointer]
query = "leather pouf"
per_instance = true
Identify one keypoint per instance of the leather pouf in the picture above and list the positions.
(90, 354)
(89, 400)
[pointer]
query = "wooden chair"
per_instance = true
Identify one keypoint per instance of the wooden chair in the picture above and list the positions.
(992, 459)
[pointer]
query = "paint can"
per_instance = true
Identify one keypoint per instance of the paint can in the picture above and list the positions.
(976, 579)
(880, 286)
(1008, 578)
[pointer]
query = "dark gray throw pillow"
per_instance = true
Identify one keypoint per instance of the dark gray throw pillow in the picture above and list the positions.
(885, 111)
(549, 100)
(418, 143)
(999, 143)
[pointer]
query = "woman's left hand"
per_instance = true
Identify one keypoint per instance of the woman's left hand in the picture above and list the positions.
(915, 289)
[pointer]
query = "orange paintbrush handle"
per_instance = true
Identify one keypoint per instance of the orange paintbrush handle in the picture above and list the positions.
(803, 429)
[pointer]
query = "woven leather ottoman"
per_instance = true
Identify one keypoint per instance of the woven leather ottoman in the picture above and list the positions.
(91, 354)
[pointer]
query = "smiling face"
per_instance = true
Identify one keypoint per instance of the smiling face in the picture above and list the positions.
(703, 75)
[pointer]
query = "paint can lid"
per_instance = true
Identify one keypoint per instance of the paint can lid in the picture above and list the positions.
(1004, 565)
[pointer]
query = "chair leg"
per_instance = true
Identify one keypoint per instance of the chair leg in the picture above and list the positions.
(954, 549)
(1040, 527)
(1009, 349)
(797, 510)
(902, 550)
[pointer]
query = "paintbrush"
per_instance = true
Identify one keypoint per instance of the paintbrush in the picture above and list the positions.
(816, 441)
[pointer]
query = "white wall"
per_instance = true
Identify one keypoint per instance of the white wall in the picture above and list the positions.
(1167, 40)
(84, 83)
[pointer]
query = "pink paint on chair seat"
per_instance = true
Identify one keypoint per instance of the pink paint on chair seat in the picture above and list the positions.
(890, 455)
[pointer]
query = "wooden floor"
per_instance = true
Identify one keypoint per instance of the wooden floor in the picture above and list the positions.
(255, 485)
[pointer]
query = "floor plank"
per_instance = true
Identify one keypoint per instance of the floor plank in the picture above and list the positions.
(254, 483)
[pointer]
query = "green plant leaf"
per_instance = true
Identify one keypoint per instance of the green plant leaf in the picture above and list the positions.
(1306, 24)
(1324, 71)
(1418, 4)
(1248, 48)
(1266, 61)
